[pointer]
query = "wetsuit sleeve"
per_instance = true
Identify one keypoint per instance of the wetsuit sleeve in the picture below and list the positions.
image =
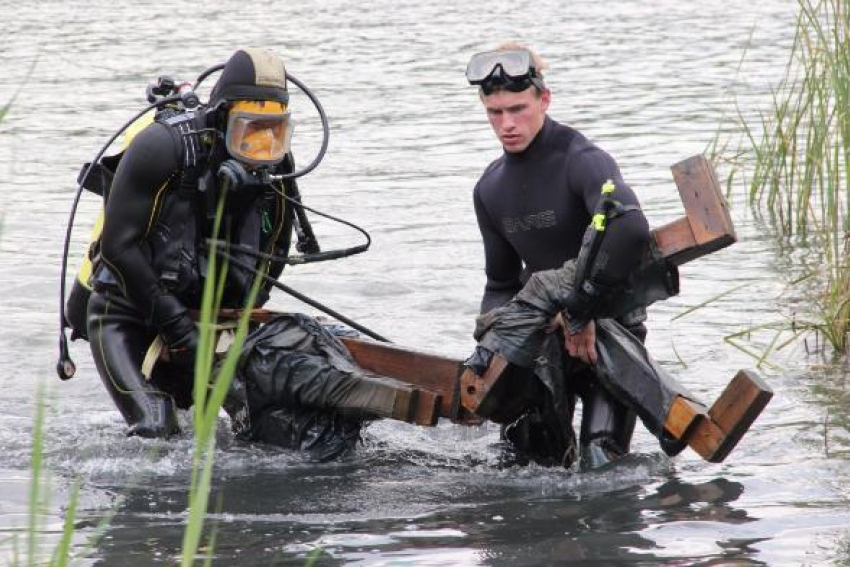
(626, 236)
(142, 176)
(502, 264)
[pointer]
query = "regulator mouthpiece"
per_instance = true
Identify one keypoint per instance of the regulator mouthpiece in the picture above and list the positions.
(232, 175)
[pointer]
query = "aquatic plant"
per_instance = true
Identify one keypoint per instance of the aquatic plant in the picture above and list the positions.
(39, 487)
(212, 382)
(210, 389)
(796, 158)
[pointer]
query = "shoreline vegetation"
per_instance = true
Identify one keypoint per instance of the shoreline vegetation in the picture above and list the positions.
(795, 162)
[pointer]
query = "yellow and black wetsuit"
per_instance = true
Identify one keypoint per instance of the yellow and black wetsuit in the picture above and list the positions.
(151, 270)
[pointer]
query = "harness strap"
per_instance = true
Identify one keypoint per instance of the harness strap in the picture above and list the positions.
(186, 128)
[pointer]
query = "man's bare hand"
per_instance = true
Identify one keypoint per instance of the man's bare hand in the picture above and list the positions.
(582, 345)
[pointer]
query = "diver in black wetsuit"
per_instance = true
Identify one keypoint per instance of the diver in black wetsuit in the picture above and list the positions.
(533, 205)
(159, 215)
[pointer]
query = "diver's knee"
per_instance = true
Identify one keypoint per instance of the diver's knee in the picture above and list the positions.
(156, 419)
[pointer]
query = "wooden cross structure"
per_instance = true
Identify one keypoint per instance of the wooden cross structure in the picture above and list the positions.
(428, 386)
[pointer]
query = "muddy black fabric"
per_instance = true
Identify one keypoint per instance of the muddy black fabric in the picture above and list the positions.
(304, 391)
(517, 331)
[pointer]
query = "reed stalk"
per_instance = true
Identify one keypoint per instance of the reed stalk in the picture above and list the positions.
(797, 160)
(210, 390)
(38, 483)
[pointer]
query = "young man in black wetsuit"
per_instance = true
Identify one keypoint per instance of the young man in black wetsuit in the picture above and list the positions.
(533, 205)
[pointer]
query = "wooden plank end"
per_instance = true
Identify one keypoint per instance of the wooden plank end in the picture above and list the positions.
(477, 393)
(427, 411)
(702, 197)
(682, 417)
(737, 408)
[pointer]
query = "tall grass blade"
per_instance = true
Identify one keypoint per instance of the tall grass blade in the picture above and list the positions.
(211, 388)
(36, 478)
(798, 154)
(62, 552)
(708, 301)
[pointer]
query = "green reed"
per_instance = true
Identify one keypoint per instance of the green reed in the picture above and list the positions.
(210, 390)
(39, 487)
(797, 159)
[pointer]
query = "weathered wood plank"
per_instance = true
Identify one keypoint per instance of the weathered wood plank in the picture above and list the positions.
(436, 373)
(480, 394)
(706, 440)
(737, 408)
(683, 415)
(707, 225)
(713, 433)
(675, 240)
(428, 408)
(703, 200)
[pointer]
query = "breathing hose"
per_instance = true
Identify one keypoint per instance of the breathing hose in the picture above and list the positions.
(301, 297)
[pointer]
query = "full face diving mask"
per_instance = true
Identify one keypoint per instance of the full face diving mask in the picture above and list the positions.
(258, 132)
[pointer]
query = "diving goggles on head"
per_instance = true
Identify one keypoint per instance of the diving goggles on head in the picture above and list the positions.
(258, 132)
(512, 70)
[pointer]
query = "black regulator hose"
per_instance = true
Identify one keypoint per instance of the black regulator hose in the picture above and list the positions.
(325, 131)
(206, 74)
(300, 296)
(65, 367)
(303, 258)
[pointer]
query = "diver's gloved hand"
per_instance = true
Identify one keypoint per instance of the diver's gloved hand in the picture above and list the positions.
(582, 303)
(170, 318)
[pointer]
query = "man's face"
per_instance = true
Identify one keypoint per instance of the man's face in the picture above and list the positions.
(516, 118)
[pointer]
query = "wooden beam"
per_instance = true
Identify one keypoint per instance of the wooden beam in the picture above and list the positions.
(683, 416)
(481, 394)
(713, 433)
(433, 375)
(737, 408)
(707, 225)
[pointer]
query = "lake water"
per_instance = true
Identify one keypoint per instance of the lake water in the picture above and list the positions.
(649, 82)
